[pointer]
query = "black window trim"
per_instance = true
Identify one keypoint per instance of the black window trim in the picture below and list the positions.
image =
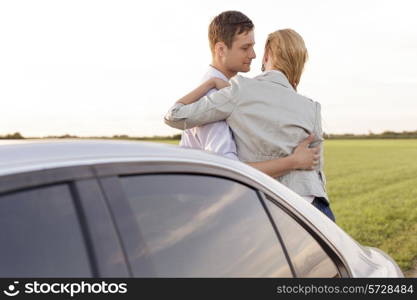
(81, 216)
(278, 235)
(123, 220)
(343, 272)
(102, 238)
(26, 180)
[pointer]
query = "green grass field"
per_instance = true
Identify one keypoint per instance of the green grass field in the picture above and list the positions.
(372, 186)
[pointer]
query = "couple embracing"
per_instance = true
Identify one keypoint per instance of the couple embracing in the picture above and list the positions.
(261, 121)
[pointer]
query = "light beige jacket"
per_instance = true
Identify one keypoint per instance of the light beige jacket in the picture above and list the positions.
(268, 119)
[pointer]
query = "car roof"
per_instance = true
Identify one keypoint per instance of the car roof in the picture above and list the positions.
(30, 155)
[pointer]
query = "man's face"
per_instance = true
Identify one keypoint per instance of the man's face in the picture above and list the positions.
(239, 57)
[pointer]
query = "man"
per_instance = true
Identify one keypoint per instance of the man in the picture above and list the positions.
(228, 58)
(231, 39)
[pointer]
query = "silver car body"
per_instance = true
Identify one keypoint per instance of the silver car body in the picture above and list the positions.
(19, 157)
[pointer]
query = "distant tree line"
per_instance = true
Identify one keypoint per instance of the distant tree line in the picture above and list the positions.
(383, 135)
(13, 136)
(330, 136)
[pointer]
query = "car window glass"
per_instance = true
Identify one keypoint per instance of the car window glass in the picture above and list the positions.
(202, 226)
(41, 235)
(307, 256)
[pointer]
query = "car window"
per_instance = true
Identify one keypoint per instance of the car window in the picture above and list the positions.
(202, 226)
(41, 235)
(308, 257)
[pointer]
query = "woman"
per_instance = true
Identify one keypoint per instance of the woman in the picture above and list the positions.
(266, 114)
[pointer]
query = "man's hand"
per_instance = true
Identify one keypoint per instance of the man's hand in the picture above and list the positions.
(220, 83)
(306, 158)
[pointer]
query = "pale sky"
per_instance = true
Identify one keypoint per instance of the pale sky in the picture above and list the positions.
(94, 68)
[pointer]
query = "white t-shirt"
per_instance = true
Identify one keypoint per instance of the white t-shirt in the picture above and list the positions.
(214, 137)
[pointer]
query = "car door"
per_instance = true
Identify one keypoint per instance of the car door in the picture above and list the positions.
(55, 223)
(180, 223)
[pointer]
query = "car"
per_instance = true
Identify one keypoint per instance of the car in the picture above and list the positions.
(97, 208)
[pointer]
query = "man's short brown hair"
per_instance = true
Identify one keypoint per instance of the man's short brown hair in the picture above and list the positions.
(225, 26)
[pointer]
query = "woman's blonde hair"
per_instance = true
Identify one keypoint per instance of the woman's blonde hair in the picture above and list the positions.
(288, 53)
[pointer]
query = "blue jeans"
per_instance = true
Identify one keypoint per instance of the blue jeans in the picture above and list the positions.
(321, 204)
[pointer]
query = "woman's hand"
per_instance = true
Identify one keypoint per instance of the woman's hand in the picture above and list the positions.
(220, 83)
(306, 158)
